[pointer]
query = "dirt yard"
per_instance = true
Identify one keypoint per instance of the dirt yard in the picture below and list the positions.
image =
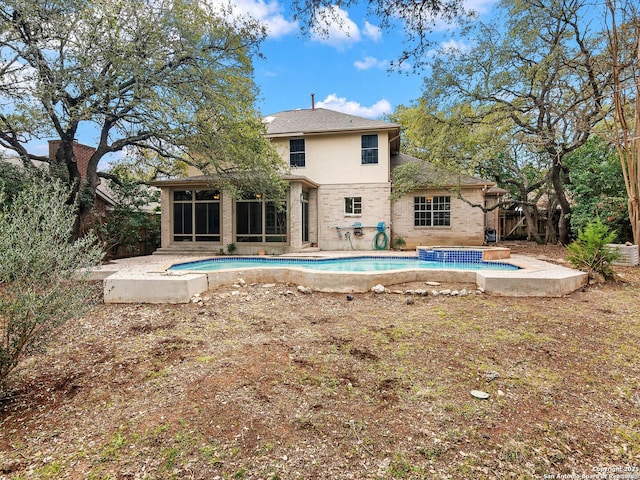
(264, 382)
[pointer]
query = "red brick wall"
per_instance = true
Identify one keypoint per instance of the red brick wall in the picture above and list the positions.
(82, 153)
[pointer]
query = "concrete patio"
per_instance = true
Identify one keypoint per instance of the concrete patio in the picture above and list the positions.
(147, 280)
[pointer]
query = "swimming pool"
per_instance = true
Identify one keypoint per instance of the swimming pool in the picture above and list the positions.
(340, 264)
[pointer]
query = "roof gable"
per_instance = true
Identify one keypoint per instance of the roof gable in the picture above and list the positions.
(320, 120)
(438, 176)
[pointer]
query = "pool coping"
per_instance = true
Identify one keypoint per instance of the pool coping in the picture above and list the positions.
(147, 280)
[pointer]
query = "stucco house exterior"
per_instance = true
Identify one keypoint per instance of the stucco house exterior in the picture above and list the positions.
(339, 196)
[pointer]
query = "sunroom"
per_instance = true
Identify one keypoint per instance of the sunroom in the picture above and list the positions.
(204, 218)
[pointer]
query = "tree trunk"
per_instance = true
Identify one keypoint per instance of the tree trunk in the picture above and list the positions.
(634, 217)
(564, 227)
(532, 226)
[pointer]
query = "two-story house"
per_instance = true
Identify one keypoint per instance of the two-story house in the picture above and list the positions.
(339, 196)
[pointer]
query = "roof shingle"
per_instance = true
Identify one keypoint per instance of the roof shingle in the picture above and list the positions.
(320, 120)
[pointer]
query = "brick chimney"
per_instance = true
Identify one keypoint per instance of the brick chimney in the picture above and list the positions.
(82, 153)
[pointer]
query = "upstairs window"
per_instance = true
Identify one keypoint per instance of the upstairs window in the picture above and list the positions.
(296, 152)
(369, 149)
(353, 205)
(432, 212)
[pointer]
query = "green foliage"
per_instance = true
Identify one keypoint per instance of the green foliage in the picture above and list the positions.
(399, 242)
(12, 180)
(537, 70)
(38, 268)
(590, 252)
(132, 226)
(168, 83)
(597, 188)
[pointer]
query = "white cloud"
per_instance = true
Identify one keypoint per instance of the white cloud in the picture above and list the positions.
(450, 47)
(479, 6)
(370, 62)
(453, 46)
(341, 104)
(334, 27)
(269, 13)
(372, 32)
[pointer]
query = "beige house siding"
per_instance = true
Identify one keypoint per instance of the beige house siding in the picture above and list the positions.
(330, 159)
(166, 219)
(334, 171)
(467, 223)
(376, 208)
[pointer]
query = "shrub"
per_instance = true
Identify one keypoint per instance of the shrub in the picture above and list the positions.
(399, 243)
(590, 252)
(129, 228)
(38, 267)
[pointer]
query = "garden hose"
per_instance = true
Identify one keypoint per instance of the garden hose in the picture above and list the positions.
(380, 241)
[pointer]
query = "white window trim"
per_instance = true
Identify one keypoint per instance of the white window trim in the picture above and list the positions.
(353, 205)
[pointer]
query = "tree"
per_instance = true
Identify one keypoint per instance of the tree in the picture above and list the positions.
(542, 70)
(39, 269)
(171, 77)
(132, 225)
(597, 188)
(624, 43)
(458, 140)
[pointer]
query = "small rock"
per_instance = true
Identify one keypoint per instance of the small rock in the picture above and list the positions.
(480, 394)
(349, 297)
(500, 393)
(378, 288)
(242, 282)
(303, 289)
(463, 292)
(454, 293)
(480, 289)
(421, 293)
(432, 284)
(446, 291)
(398, 292)
(235, 293)
(410, 301)
(491, 376)
(435, 293)
(268, 285)
(410, 292)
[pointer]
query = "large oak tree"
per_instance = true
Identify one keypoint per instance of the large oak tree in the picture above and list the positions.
(172, 77)
(539, 66)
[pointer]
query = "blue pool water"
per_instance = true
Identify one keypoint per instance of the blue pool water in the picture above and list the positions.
(344, 264)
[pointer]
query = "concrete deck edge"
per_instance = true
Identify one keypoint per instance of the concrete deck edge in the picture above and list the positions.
(141, 282)
(132, 287)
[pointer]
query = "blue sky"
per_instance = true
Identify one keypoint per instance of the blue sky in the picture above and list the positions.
(347, 70)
